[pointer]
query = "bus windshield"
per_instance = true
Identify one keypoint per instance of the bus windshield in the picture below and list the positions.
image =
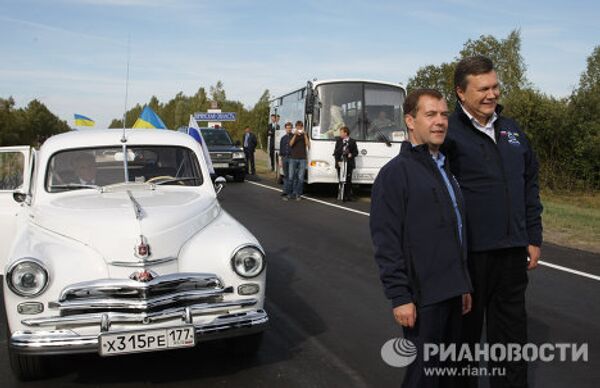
(372, 112)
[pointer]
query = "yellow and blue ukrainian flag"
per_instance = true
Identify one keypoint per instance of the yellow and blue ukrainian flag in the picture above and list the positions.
(82, 121)
(149, 119)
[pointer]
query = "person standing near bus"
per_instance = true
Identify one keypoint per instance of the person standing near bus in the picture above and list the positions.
(345, 151)
(271, 130)
(299, 146)
(498, 171)
(249, 148)
(284, 159)
(417, 227)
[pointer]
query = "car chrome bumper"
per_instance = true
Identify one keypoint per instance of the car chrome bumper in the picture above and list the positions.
(67, 342)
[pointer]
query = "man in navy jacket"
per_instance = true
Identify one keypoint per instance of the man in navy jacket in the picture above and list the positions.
(497, 170)
(417, 226)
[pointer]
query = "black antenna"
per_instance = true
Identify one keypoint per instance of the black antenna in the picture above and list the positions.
(124, 138)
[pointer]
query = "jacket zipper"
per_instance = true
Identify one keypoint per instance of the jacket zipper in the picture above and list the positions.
(499, 162)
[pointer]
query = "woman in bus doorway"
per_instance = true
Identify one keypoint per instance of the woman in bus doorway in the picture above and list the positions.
(299, 145)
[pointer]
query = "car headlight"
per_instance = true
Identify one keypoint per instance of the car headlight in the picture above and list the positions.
(238, 155)
(27, 277)
(248, 261)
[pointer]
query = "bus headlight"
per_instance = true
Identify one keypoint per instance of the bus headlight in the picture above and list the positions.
(248, 261)
(238, 155)
(319, 163)
(27, 277)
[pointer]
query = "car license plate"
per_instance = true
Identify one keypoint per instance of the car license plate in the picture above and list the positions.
(147, 340)
(220, 165)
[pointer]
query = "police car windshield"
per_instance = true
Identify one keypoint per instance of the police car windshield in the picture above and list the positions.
(216, 137)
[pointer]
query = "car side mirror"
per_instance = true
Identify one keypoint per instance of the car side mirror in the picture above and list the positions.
(19, 196)
(219, 184)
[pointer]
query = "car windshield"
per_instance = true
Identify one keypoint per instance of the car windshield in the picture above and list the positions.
(103, 166)
(216, 137)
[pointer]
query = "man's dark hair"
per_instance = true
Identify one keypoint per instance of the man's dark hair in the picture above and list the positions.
(288, 124)
(345, 129)
(471, 66)
(411, 104)
(273, 115)
(299, 122)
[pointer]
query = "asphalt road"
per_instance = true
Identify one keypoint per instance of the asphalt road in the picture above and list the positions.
(329, 317)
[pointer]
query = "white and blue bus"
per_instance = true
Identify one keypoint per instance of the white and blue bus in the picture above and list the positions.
(372, 110)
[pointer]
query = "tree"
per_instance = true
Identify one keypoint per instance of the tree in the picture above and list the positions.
(436, 77)
(31, 125)
(583, 117)
(217, 93)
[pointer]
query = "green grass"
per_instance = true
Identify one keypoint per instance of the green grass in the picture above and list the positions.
(572, 219)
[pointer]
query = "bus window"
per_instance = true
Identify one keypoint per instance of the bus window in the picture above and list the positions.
(341, 105)
(383, 114)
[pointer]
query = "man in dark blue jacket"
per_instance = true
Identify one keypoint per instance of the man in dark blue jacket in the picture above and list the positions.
(417, 226)
(498, 173)
(284, 159)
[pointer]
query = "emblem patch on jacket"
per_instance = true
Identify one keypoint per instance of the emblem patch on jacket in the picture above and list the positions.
(512, 137)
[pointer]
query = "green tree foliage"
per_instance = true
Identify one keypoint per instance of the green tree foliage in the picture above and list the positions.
(583, 118)
(436, 77)
(31, 125)
(217, 93)
(176, 112)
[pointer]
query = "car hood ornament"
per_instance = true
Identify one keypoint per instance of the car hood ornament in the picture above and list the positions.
(142, 249)
(143, 276)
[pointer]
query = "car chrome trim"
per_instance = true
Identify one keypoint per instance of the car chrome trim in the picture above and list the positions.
(142, 263)
(131, 289)
(107, 304)
(139, 317)
(50, 342)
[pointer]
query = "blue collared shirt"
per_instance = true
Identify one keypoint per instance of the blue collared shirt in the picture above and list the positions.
(440, 161)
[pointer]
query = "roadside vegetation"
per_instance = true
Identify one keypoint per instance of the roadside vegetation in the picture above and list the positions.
(572, 219)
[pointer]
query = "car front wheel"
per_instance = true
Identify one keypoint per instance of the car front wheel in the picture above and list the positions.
(28, 368)
(246, 346)
(239, 176)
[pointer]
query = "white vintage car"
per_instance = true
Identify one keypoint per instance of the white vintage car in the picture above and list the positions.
(114, 242)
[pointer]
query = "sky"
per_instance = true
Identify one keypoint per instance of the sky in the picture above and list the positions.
(72, 54)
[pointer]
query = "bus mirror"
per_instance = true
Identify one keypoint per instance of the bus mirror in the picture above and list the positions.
(310, 99)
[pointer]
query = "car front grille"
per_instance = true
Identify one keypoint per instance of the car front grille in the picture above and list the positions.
(220, 156)
(129, 301)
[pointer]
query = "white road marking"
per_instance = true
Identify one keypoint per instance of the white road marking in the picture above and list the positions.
(544, 263)
(569, 270)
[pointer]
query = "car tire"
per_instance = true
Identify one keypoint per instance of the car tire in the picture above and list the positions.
(239, 176)
(246, 346)
(27, 368)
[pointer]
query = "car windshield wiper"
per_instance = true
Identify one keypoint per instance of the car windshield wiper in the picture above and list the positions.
(180, 179)
(70, 186)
